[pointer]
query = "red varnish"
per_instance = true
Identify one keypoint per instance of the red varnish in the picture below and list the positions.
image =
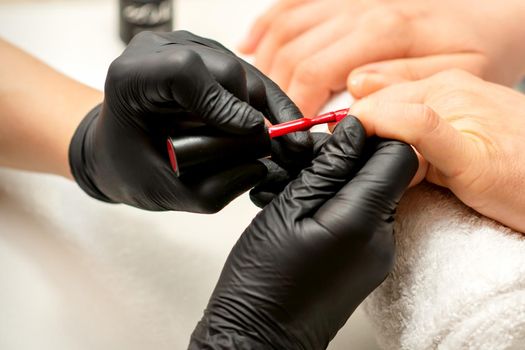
(304, 124)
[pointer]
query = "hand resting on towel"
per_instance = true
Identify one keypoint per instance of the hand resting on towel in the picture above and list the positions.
(471, 134)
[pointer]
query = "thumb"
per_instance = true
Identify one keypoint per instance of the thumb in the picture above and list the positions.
(370, 78)
(371, 197)
(338, 161)
(278, 177)
(434, 138)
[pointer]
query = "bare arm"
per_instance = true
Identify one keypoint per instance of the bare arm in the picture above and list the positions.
(40, 109)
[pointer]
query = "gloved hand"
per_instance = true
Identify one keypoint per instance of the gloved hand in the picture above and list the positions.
(279, 177)
(312, 255)
(170, 82)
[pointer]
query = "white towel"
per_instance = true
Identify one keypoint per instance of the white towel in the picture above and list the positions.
(458, 282)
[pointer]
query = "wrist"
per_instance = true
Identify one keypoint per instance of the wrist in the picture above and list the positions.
(79, 155)
(85, 100)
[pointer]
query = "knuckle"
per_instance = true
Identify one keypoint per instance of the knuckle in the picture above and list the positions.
(284, 58)
(280, 28)
(231, 67)
(429, 119)
(307, 73)
(388, 16)
(121, 68)
(182, 59)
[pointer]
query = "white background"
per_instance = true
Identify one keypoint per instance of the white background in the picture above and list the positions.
(79, 274)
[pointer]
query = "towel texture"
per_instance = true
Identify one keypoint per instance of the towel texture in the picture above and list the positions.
(458, 283)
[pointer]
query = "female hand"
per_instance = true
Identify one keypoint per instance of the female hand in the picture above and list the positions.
(471, 133)
(310, 47)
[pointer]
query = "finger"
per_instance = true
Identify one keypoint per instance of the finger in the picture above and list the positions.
(417, 124)
(214, 192)
(313, 81)
(278, 178)
(226, 69)
(261, 25)
(370, 78)
(287, 26)
(338, 161)
(422, 170)
(297, 147)
(256, 91)
(289, 56)
(371, 197)
(182, 76)
(292, 150)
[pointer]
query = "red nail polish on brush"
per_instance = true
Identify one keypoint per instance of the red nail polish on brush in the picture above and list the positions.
(304, 124)
(203, 149)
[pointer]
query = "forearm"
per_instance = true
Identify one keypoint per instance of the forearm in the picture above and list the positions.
(40, 109)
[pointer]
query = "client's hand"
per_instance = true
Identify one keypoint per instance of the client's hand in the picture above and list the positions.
(173, 82)
(471, 132)
(312, 255)
(309, 47)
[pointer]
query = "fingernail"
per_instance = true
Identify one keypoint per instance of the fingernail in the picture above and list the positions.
(363, 84)
(357, 81)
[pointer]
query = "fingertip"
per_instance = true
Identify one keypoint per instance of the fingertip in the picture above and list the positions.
(350, 134)
(247, 46)
(361, 110)
(421, 171)
(251, 41)
(362, 84)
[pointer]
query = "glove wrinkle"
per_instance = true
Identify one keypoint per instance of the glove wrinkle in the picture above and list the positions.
(164, 85)
(318, 249)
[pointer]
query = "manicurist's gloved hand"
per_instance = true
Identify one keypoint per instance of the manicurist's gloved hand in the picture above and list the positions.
(171, 82)
(315, 252)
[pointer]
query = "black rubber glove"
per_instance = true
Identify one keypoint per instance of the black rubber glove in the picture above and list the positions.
(312, 255)
(165, 83)
(279, 177)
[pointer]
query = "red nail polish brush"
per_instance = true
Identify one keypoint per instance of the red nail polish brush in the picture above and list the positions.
(304, 124)
(202, 150)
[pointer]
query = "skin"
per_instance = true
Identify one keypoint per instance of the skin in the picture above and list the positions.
(313, 48)
(470, 135)
(41, 107)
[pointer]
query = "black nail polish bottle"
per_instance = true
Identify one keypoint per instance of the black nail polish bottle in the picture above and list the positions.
(139, 15)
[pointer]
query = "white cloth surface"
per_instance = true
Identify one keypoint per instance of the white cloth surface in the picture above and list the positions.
(458, 281)
(77, 274)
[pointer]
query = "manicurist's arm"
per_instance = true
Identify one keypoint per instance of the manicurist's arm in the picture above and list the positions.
(114, 145)
(40, 109)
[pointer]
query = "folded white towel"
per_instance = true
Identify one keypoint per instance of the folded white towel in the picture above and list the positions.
(458, 283)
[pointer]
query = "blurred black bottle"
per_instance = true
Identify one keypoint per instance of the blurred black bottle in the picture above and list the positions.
(139, 15)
